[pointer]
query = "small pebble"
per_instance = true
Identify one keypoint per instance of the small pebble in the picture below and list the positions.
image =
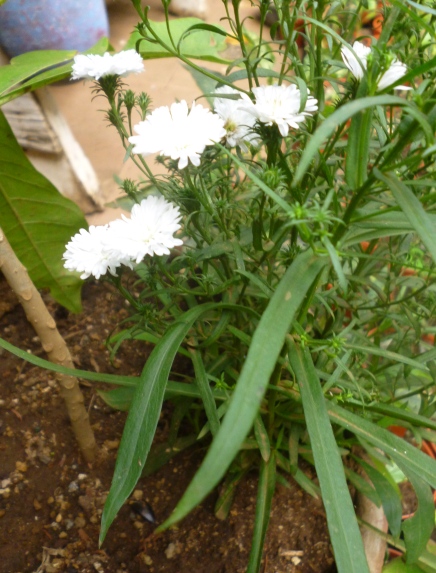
(36, 505)
(21, 466)
(63, 535)
(138, 494)
(170, 551)
(58, 518)
(80, 522)
(73, 486)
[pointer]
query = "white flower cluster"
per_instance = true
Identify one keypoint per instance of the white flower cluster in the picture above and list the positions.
(125, 241)
(183, 134)
(178, 132)
(95, 67)
(238, 122)
(357, 66)
(279, 105)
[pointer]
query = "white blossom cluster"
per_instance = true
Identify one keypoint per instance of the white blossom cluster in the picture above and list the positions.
(178, 132)
(357, 63)
(92, 66)
(126, 241)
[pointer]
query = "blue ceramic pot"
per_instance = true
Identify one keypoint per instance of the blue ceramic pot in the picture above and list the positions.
(27, 25)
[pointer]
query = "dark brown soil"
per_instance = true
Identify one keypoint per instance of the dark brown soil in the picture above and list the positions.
(51, 501)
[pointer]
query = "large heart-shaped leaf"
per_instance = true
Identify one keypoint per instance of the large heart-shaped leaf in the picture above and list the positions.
(38, 221)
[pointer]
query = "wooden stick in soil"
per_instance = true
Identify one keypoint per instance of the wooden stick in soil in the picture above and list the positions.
(52, 342)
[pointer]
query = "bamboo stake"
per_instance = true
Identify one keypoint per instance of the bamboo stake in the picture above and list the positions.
(52, 342)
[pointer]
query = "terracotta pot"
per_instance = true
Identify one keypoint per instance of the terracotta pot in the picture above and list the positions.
(51, 25)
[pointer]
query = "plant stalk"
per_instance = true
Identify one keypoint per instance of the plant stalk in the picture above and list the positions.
(52, 342)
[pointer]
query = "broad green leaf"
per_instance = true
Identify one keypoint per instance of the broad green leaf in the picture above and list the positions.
(261, 360)
(37, 221)
(197, 42)
(345, 112)
(33, 70)
(418, 528)
(403, 453)
(424, 226)
(145, 411)
(265, 492)
(389, 497)
(341, 519)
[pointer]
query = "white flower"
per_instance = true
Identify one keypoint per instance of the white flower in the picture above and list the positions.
(96, 67)
(178, 132)
(150, 229)
(93, 252)
(279, 105)
(355, 66)
(238, 123)
(395, 72)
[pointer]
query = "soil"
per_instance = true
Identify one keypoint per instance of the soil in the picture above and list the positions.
(51, 500)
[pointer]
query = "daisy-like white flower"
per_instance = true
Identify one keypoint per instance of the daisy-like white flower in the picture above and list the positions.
(357, 68)
(178, 132)
(395, 71)
(95, 67)
(149, 230)
(279, 105)
(94, 252)
(238, 123)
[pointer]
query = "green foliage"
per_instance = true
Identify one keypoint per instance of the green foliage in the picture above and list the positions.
(187, 37)
(33, 70)
(302, 302)
(37, 221)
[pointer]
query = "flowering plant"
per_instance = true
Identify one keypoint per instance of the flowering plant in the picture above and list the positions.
(273, 254)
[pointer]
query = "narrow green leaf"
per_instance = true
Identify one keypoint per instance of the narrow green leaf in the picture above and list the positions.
(202, 383)
(344, 113)
(37, 221)
(388, 354)
(265, 492)
(363, 486)
(389, 497)
(422, 7)
(413, 209)
(145, 411)
(262, 356)
(227, 494)
(356, 159)
(118, 399)
(418, 528)
(399, 450)
(398, 566)
(341, 519)
(262, 438)
(161, 454)
(272, 194)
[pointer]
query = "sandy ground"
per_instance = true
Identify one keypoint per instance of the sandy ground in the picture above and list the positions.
(165, 80)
